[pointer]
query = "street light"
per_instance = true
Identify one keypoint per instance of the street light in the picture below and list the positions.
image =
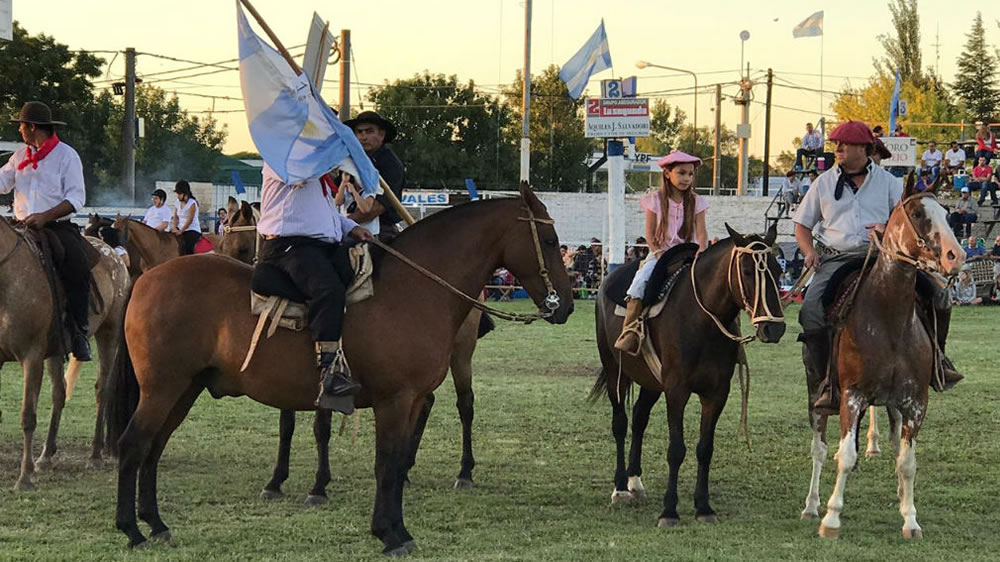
(643, 64)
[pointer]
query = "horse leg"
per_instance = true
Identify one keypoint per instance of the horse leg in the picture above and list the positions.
(819, 452)
(286, 428)
(32, 369)
(149, 510)
(640, 419)
(851, 407)
(619, 429)
(906, 472)
(677, 399)
(873, 449)
(461, 375)
(321, 431)
(55, 368)
(418, 434)
(107, 338)
(711, 409)
(394, 422)
(895, 426)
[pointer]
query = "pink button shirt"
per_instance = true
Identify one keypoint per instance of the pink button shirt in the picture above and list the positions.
(650, 201)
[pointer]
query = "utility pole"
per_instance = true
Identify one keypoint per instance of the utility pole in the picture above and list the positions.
(128, 125)
(345, 74)
(526, 96)
(717, 151)
(767, 133)
(743, 133)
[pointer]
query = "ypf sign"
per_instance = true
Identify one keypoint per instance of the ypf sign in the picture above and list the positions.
(904, 152)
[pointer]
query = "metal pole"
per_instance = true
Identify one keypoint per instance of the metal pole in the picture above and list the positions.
(128, 125)
(526, 97)
(767, 133)
(717, 151)
(345, 74)
(744, 135)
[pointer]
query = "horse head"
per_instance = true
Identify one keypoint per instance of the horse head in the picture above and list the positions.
(918, 231)
(531, 253)
(753, 282)
(240, 233)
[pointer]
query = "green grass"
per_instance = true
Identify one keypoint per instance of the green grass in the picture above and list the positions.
(544, 474)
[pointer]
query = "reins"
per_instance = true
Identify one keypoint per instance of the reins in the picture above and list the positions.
(18, 238)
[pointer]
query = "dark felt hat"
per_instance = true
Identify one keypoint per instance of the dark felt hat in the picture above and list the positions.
(375, 119)
(37, 113)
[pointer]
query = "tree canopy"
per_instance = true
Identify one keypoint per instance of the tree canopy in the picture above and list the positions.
(976, 83)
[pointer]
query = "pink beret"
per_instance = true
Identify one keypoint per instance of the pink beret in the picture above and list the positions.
(678, 157)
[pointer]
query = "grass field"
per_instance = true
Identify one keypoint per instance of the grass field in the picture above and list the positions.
(543, 477)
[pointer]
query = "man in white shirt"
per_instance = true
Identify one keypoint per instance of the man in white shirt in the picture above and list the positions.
(47, 179)
(158, 216)
(812, 145)
(846, 203)
(954, 158)
(303, 236)
(932, 158)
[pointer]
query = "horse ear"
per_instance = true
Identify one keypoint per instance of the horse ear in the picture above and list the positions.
(772, 234)
(909, 186)
(246, 211)
(736, 236)
(232, 207)
(530, 199)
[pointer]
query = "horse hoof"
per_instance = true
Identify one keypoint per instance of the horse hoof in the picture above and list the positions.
(809, 515)
(24, 486)
(463, 484)
(141, 545)
(913, 534)
(43, 463)
(664, 523)
(621, 497)
(872, 454)
(271, 494)
(313, 499)
(829, 532)
(410, 546)
(397, 552)
(164, 537)
(708, 518)
(96, 463)
(635, 486)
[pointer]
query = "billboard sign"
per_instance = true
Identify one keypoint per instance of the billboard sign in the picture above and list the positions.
(617, 118)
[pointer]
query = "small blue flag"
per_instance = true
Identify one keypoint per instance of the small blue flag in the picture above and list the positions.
(470, 186)
(809, 27)
(592, 58)
(238, 182)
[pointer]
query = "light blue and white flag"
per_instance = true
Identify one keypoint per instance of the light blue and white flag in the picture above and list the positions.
(296, 133)
(809, 27)
(894, 106)
(592, 58)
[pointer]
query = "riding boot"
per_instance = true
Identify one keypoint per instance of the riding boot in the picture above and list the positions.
(629, 340)
(951, 375)
(80, 343)
(336, 387)
(818, 344)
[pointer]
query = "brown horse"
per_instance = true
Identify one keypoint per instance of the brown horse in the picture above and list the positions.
(697, 355)
(96, 223)
(884, 355)
(398, 346)
(26, 314)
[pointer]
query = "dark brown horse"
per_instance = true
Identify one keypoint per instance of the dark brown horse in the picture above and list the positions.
(735, 274)
(398, 346)
(94, 225)
(884, 355)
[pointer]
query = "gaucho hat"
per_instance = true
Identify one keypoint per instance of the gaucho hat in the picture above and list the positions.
(375, 119)
(37, 113)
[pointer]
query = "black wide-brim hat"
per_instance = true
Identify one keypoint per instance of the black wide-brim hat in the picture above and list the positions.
(37, 113)
(375, 119)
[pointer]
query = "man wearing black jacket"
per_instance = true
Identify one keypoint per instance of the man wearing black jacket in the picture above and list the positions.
(375, 133)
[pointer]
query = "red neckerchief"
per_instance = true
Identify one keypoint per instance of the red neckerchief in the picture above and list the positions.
(39, 154)
(326, 182)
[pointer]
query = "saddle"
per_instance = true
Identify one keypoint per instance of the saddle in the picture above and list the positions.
(665, 274)
(275, 298)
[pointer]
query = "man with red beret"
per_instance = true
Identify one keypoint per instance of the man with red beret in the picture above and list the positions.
(843, 205)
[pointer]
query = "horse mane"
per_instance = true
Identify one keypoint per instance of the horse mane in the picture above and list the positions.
(449, 214)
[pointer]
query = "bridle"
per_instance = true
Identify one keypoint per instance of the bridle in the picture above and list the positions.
(226, 229)
(759, 252)
(921, 262)
(551, 298)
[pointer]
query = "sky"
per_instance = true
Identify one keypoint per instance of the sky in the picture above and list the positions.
(483, 40)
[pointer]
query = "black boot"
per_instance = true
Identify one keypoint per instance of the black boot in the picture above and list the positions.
(337, 388)
(818, 345)
(951, 375)
(80, 344)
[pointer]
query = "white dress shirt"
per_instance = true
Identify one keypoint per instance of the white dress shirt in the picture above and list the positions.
(813, 140)
(58, 178)
(299, 210)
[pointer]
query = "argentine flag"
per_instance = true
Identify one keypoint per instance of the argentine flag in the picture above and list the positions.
(809, 27)
(294, 130)
(592, 58)
(894, 106)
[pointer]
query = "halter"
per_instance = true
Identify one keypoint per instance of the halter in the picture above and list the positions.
(921, 263)
(551, 298)
(759, 252)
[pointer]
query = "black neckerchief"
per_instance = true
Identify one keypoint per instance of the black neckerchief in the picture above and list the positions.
(848, 179)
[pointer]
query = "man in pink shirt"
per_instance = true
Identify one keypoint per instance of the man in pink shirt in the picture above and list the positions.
(981, 180)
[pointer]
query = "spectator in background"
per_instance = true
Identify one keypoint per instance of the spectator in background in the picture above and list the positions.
(982, 179)
(898, 131)
(595, 269)
(924, 181)
(964, 292)
(995, 252)
(789, 193)
(567, 257)
(964, 215)
(931, 159)
(972, 247)
(877, 131)
(220, 220)
(994, 295)
(954, 158)
(641, 248)
(986, 142)
(806, 182)
(812, 145)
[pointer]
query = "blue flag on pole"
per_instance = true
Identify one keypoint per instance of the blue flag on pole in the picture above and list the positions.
(238, 183)
(894, 106)
(295, 131)
(592, 58)
(809, 27)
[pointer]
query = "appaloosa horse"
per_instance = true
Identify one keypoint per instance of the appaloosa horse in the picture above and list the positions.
(398, 347)
(884, 355)
(697, 352)
(26, 319)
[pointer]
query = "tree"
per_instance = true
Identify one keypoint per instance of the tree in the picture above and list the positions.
(559, 149)
(448, 131)
(925, 105)
(902, 51)
(975, 83)
(245, 155)
(665, 123)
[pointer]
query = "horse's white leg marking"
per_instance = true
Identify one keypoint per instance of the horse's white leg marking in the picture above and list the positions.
(621, 496)
(819, 452)
(906, 470)
(635, 486)
(873, 448)
(847, 456)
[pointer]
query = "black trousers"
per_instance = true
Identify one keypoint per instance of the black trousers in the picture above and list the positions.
(74, 271)
(322, 271)
(188, 239)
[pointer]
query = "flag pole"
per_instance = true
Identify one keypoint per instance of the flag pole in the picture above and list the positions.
(821, 107)
(389, 195)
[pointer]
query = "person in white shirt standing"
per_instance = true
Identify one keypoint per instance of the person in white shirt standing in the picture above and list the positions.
(47, 179)
(304, 236)
(932, 158)
(812, 145)
(158, 216)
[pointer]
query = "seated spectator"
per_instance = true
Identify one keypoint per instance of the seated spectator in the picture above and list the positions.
(641, 248)
(110, 237)
(964, 215)
(595, 269)
(986, 142)
(898, 131)
(994, 294)
(924, 181)
(972, 247)
(806, 182)
(220, 220)
(502, 282)
(877, 131)
(982, 179)
(954, 159)
(931, 160)
(789, 193)
(964, 292)
(812, 145)
(995, 252)
(567, 257)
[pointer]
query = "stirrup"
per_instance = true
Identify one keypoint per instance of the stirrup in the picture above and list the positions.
(637, 330)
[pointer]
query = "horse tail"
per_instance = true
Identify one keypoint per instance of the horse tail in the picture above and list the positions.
(121, 397)
(600, 387)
